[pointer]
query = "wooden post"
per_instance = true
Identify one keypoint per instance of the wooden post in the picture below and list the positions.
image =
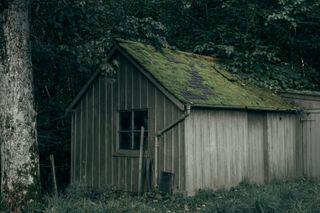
(140, 161)
(55, 188)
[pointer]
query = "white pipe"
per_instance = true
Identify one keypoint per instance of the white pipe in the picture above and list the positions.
(140, 161)
(156, 148)
(156, 141)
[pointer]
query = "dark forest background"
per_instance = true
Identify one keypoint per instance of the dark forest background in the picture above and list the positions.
(273, 43)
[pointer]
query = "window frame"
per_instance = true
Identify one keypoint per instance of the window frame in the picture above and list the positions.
(130, 152)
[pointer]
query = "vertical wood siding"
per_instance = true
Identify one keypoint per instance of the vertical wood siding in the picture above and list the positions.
(136, 92)
(92, 136)
(77, 143)
(311, 144)
(281, 140)
(308, 149)
(224, 147)
(95, 157)
(72, 149)
(256, 161)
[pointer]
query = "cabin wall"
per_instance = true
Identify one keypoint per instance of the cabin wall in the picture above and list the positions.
(96, 159)
(136, 92)
(91, 136)
(309, 134)
(224, 147)
(281, 146)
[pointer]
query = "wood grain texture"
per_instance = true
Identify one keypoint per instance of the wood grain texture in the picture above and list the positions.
(90, 136)
(282, 145)
(72, 173)
(77, 143)
(224, 147)
(256, 137)
(99, 130)
(213, 148)
(102, 131)
(83, 143)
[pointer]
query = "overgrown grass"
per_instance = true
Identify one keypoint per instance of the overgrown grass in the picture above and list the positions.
(292, 196)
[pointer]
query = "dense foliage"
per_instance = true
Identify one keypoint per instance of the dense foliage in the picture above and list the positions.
(272, 43)
(293, 196)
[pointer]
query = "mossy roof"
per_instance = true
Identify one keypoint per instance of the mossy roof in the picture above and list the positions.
(201, 80)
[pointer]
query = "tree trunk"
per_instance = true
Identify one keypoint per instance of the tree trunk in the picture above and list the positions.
(19, 152)
(2, 93)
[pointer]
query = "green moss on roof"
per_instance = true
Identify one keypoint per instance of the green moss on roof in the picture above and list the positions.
(200, 80)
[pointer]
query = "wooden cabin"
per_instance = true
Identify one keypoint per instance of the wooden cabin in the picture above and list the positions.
(205, 126)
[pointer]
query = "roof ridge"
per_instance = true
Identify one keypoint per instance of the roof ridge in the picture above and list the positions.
(208, 57)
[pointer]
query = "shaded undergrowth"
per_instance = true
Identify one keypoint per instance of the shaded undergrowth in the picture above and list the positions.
(291, 196)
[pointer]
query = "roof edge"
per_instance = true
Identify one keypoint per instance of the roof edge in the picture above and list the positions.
(89, 82)
(306, 94)
(245, 108)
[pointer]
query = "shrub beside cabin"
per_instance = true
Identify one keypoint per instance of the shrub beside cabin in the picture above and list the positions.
(204, 125)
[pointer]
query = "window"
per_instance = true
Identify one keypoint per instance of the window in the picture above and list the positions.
(130, 129)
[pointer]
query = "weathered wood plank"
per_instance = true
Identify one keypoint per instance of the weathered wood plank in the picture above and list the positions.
(72, 159)
(131, 174)
(135, 92)
(102, 128)
(255, 147)
(151, 119)
(206, 148)
(113, 106)
(81, 120)
(176, 151)
(168, 143)
(144, 92)
(160, 113)
(122, 84)
(90, 137)
(135, 168)
(95, 144)
(130, 87)
(77, 143)
(182, 157)
(83, 139)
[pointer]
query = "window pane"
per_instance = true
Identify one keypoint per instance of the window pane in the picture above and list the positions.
(140, 119)
(125, 140)
(136, 144)
(125, 120)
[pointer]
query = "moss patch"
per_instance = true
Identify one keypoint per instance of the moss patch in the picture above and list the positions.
(201, 80)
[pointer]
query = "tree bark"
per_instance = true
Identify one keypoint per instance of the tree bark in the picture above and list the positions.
(19, 151)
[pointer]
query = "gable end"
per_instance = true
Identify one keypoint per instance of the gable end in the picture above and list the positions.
(96, 74)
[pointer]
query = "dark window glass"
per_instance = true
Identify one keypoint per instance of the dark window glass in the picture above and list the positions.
(130, 134)
(125, 139)
(136, 142)
(125, 120)
(140, 119)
